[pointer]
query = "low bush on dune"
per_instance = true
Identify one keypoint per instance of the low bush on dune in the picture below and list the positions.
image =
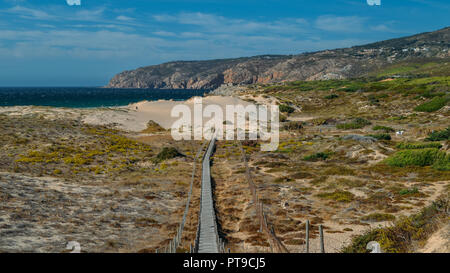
(317, 156)
(381, 136)
(412, 191)
(420, 157)
(432, 105)
(401, 237)
(167, 153)
(439, 135)
(339, 196)
(286, 109)
(153, 127)
(357, 123)
(418, 145)
(378, 217)
(383, 128)
(443, 163)
(332, 96)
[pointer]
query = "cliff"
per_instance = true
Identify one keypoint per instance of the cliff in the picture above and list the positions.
(329, 64)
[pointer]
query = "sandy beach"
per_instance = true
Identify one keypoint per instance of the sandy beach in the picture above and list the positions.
(132, 118)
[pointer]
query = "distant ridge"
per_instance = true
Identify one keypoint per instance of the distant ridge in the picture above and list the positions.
(328, 64)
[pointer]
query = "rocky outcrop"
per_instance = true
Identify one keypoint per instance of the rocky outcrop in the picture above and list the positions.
(328, 64)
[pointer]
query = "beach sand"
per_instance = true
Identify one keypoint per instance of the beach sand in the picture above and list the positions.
(132, 118)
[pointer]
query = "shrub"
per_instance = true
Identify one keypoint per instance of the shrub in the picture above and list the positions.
(332, 96)
(443, 163)
(316, 156)
(383, 128)
(432, 105)
(339, 196)
(439, 135)
(357, 123)
(338, 170)
(421, 158)
(378, 217)
(399, 238)
(167, 153)
(381, 136)
(419, 145)
(286, 109)
(409, 191)
(153, 127)
(293, 126)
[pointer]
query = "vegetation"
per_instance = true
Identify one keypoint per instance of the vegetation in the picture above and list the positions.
(383, 128)
(286, 109)
(433, 105)
(332, 96)
(153, 127)
(418, 145)
(412, 191)
(293, 126)
(167, 153)
(357, 123)
(420, 157)
(381, 136)
(439, 135)
(378, 217)
(339, 196)
(399, 238)
(317, 156)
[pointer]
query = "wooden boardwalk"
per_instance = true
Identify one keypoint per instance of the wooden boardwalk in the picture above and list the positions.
(207, 235)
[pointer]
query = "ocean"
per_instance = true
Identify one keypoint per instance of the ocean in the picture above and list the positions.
(86, 97)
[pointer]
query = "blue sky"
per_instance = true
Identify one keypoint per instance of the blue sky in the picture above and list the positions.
(52, 43)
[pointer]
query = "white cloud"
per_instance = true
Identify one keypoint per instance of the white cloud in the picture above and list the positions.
(340, 23)
(73, 2)
(28, 13)
(212, 23)
(124, 18)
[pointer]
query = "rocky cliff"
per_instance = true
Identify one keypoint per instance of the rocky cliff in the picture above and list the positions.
(328, 64)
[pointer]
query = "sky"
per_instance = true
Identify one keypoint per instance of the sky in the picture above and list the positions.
(86, 42)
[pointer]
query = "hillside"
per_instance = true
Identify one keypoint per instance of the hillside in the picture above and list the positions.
(329, 64)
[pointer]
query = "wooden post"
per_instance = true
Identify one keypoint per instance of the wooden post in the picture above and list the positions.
(322, 245)
(261, 221)
(307, 236)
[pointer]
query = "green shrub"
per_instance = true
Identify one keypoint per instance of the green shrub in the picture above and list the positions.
(167, 153)
(383, 128)
(442, 163)
(381, 136)
(316, 156)
(286, 109)
(339, 196)
(399, 238)
(432, 105)
(357, 123)
(332, 96)
(420, 157)
(439, 135)
(378, 217)
(409, 191)
(419, 145)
